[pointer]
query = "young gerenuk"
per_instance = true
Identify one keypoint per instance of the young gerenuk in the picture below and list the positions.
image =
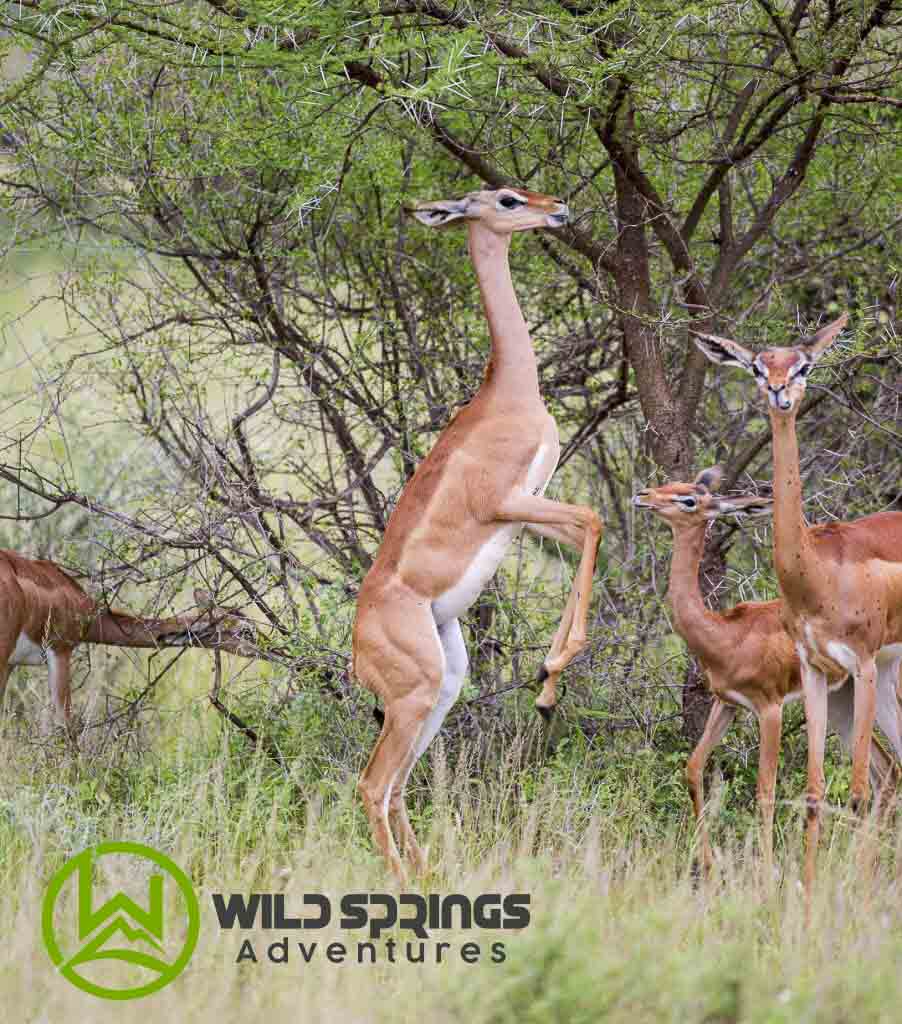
(748, 657)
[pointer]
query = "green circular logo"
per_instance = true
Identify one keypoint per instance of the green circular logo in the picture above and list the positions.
(154, 934)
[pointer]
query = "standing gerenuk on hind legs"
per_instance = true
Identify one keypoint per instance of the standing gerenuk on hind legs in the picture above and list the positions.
(469, 498)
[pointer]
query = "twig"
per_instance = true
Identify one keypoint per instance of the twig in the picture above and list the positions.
(268, 748)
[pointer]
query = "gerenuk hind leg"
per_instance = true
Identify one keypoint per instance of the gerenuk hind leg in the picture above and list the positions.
(455, 670)
(400, 658)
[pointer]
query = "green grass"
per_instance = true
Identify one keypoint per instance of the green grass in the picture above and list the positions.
(620, 929)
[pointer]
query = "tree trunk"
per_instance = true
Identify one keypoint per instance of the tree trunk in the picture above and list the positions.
(668, 437)
(481, 619)
(669, 442)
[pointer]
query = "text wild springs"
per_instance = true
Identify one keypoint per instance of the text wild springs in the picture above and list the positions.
(377, 913)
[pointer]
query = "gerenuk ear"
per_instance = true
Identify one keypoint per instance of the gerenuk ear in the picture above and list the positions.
(748, 505)
(710, 479)
(815, 347)
(724, 351)
(439, 214)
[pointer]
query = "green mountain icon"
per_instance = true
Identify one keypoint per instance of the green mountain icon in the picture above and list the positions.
(94, 949)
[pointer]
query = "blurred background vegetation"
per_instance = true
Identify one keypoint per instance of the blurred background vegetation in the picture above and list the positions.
(225, 349)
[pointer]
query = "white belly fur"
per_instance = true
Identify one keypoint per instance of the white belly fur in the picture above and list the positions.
(26, 652)
(889, 653)
(455, 601)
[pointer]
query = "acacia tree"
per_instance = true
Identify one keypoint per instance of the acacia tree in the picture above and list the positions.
(245, 167)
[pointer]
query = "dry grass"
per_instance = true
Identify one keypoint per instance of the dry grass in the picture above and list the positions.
(620, 931)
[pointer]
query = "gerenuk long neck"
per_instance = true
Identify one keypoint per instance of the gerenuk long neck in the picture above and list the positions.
(792, 546)
(512, 368)
(701, 628)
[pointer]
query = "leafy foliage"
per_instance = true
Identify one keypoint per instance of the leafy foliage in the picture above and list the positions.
(227, 184)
